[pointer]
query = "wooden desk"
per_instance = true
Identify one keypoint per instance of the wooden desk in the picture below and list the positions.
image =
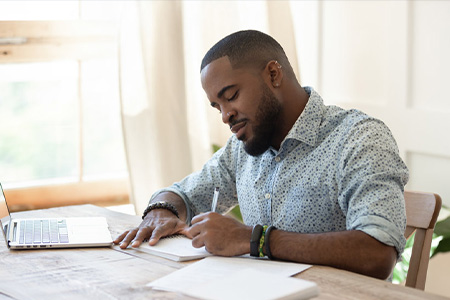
(105, 273)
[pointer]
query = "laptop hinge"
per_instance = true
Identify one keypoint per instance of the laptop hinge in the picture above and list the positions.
(14, 231)
(6, 233)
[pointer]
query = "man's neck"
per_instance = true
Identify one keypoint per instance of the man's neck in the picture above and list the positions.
(294, 99)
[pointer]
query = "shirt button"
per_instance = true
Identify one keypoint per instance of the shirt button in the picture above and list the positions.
(267, 196)
(277, 159)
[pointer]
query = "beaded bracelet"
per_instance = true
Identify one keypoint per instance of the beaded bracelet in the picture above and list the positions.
(261, 242)
(161, 204)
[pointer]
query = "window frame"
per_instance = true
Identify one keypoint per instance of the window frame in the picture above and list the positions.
(40, 41)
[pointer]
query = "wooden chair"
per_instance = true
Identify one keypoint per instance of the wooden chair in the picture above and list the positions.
(422, 210)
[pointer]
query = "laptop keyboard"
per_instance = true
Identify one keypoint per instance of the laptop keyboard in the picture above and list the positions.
(43, 231)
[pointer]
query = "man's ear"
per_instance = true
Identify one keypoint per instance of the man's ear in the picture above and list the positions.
(275, 72)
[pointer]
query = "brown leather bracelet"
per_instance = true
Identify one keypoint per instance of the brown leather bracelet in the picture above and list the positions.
(163, 205)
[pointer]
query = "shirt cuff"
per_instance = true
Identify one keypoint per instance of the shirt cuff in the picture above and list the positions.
(382, 230)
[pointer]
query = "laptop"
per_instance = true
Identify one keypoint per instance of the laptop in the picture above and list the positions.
(39, 233)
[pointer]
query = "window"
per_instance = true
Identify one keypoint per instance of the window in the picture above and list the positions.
(61, 135)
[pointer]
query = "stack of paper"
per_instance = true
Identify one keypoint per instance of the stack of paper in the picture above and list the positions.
(220, 278)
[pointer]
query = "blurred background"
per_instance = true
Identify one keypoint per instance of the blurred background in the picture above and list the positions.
(101, 102)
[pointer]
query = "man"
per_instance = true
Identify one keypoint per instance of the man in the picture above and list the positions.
(328, 182)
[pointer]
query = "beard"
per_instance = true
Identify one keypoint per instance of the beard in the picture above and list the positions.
(267, 118)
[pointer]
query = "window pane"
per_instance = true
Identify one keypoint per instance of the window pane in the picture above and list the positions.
(14, 10)
(38, 10)
(38, 113)
(103, 149)
(102, 10)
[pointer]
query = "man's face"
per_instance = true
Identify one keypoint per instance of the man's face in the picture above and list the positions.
(246, 103)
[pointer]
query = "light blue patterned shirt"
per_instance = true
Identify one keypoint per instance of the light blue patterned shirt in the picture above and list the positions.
(335, 170)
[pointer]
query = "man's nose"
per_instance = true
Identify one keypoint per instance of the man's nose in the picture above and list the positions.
(227, 116)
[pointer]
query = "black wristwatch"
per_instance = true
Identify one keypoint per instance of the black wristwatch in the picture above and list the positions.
(254, 240)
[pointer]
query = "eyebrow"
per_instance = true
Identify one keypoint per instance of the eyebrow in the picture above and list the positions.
(223, 90)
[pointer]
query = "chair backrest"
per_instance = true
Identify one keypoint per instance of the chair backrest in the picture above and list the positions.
(422, 210)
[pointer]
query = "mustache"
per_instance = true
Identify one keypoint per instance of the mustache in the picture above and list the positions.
(234, 122)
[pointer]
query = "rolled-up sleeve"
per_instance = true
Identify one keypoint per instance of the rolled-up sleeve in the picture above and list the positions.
(372, 181)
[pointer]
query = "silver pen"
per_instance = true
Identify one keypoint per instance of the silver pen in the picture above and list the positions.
(215, 198)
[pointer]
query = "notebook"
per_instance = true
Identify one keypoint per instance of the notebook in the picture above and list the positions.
(38, 233)
(175, 247)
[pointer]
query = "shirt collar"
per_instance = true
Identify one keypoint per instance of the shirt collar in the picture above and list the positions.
(306, 127)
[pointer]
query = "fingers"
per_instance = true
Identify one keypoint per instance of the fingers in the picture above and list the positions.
(167, 230)
(120, 238)
(200, 217)
(220, 235)
(186, 232)
(154, 233)
(134, 237)
(130, 238)
(156, 236)
(142, 234)
(199, 222)
(199, 241)
(197, 231)
(124, 239)
(194, 230)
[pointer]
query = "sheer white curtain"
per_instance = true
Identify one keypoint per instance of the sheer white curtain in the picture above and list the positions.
(169, 126)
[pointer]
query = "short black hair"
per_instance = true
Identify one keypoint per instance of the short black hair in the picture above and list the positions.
(249, 48)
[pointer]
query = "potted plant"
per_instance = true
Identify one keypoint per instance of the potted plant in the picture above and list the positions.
(440, 243)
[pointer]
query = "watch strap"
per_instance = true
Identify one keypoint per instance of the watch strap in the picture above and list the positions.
(254, 240)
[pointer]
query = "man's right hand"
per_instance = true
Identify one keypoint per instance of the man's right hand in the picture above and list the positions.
(157, 223)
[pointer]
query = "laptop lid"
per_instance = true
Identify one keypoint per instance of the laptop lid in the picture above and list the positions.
(5, 217)
(80, 232)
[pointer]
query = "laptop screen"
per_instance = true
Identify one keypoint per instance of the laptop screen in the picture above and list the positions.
(5, 218)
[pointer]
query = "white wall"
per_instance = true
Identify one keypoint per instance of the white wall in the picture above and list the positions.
(390, 59)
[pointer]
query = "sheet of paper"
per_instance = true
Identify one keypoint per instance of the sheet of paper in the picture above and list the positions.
(177, 248)
(250, 284)
(214, 267)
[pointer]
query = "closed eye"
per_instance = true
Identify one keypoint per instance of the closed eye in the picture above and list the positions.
(233, 97)
(216, 106)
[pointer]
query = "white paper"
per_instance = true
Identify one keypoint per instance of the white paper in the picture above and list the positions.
(177, 248)
(250, 284)
(214, 267)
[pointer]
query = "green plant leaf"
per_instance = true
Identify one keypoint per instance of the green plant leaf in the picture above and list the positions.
(442, 228)
(215, 147)
(235, 212)
(444, 246)
(401, 268)
(410, 241)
